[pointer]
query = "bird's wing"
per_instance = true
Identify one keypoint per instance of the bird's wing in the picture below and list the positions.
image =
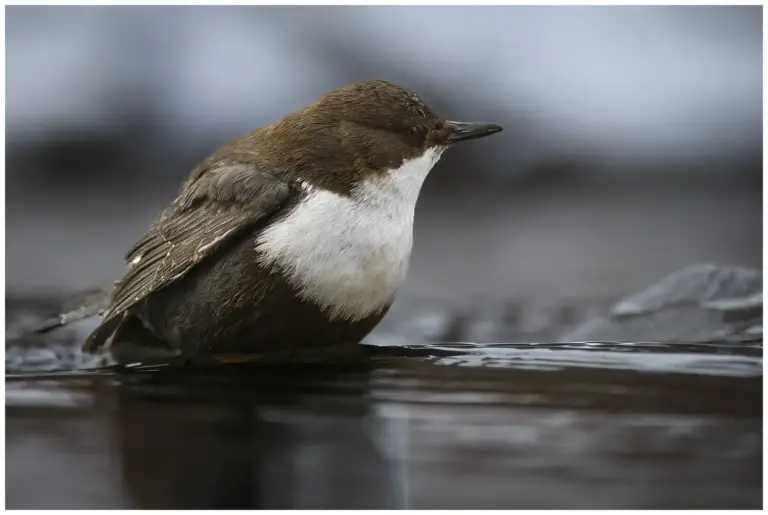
(210, 212)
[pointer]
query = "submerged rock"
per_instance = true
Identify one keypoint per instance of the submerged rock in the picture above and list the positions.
(700, 303)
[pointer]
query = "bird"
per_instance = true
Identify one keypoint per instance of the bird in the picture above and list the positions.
(295, 235)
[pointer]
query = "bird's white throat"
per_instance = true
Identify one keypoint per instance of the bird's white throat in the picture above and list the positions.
(349, 254)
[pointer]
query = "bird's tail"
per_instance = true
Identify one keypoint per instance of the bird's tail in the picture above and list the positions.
(91, 302)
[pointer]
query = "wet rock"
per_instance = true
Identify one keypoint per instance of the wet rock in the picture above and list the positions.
(515, 321)
(523, 321)
(412, 320)
(700, 303)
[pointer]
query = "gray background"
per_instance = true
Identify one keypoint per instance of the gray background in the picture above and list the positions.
(633, 141)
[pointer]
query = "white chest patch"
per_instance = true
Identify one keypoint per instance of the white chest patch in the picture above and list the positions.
(349, 254)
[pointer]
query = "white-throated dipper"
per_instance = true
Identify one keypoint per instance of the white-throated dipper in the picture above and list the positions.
(296, 234)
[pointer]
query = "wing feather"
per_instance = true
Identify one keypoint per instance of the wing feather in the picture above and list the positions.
(211, 212)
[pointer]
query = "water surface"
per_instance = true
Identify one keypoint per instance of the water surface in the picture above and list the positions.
(583, 425)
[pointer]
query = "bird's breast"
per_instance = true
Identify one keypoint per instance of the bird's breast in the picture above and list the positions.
(345, 255)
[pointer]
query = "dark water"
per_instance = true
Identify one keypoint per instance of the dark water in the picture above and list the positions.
(600, 425)
(606, 426)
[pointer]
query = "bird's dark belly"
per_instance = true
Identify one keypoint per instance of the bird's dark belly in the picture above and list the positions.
(231, 305)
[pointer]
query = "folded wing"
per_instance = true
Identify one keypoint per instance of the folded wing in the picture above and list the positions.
(216, 209)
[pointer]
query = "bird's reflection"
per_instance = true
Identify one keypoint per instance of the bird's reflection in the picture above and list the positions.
(247, 437)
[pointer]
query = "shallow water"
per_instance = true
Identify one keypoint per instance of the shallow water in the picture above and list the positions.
(580, 425)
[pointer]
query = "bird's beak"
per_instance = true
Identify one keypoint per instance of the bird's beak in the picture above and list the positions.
(464, 131)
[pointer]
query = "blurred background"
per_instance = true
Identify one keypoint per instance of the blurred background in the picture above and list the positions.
(633, 141)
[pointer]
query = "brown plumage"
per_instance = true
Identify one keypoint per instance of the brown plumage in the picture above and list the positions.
(196, 281)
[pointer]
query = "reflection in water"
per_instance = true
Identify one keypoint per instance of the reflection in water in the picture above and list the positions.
(384, 433)
(276, 438)
(251, 442)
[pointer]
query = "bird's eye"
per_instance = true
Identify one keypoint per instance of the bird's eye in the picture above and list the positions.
(413, 130)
